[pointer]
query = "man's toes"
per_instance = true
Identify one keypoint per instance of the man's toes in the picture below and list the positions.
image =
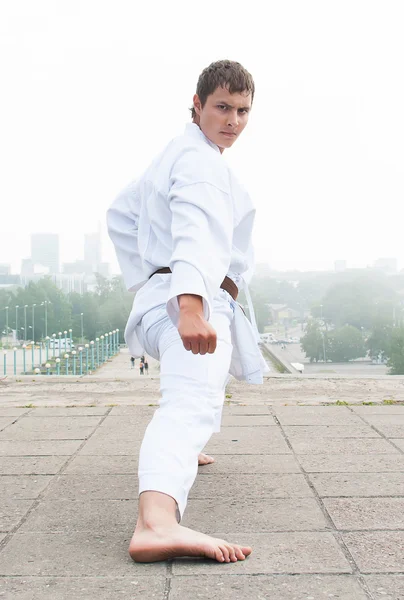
(232, 553)
(205, 459)
(239, 553)
(246, 550)
(225, 552)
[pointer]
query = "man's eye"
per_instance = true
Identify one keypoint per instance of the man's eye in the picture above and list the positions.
(221, 106)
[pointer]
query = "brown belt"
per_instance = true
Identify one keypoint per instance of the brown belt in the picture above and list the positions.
(227, 284)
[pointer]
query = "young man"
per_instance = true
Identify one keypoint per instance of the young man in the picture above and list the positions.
(182, 233)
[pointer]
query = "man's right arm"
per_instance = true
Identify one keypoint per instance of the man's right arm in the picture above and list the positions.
(122, 221)
(202, 232)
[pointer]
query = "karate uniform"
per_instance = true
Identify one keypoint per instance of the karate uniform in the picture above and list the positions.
(187, 212)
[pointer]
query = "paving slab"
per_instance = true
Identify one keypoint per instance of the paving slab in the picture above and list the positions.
(88, 487)
(252, 516)
(31, 465)
(333, 431)
(352, 463)
(366, 513)
(12, 511)
(73, 411)
(387, 418)
(376, 551)
(397, 442)
(238, 410)
(83, 588)
(316, 415)
(249, 464)
(134, 411)
(73, 554)
(267, 587)
(13, 411)
(248, 421)
(39, 447)
(92, 516)
(391, 409)
(385, 587)
(298, 552)
(342, 446)
(274, 485)
(111, 445)
(6, 421)
(22, 487)
(248, 440)
(42, 428)
(390, 431)
(358, 484)
(103, 465)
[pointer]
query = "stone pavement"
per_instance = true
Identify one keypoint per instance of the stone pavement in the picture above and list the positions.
(318, 491)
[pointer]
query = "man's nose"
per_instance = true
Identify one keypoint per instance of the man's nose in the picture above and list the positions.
(233, 118)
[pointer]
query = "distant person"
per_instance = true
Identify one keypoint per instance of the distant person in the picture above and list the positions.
(132, 360)
(141, 367)
(146, 367)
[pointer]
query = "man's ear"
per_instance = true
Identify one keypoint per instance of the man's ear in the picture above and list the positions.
(197, 104)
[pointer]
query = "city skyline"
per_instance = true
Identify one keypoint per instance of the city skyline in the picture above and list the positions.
(92, 246)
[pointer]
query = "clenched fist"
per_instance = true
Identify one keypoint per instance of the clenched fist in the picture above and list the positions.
(196, 333)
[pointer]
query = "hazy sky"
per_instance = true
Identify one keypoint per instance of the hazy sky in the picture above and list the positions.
(92, 90)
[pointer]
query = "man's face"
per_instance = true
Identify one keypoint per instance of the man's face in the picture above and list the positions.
(224, 116)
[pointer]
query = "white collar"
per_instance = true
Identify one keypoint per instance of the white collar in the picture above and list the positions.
(194, 130)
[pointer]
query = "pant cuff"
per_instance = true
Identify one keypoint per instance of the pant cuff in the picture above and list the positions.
(165, 485)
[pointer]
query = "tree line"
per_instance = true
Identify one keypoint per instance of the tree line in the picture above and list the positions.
(347, 315)
(99, 311)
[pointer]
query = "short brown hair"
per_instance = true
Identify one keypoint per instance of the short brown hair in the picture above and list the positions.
(223, 73)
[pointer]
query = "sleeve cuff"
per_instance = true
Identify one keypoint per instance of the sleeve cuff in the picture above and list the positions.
(186, 279)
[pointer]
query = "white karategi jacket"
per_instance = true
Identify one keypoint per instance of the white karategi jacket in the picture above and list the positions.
(188, 212)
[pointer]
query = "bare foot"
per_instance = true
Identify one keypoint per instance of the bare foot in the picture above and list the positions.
(162, 543)
(205, 459)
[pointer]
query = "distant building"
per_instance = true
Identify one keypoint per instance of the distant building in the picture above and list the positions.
(104, 269)
(92, 252)
(5, 269)
(387, 265)
(27, 267)
(70, 283)
(340, 266)
(74, 267)
(45, 250)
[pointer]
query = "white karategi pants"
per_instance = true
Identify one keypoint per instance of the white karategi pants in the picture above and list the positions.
(192, 388)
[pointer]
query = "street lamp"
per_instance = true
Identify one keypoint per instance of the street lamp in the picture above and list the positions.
(7, 324)
(16, 320)
(92, 356)
(82, 327)
(33, 321)
(74, 361)
(25, 322)
(24, 358)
